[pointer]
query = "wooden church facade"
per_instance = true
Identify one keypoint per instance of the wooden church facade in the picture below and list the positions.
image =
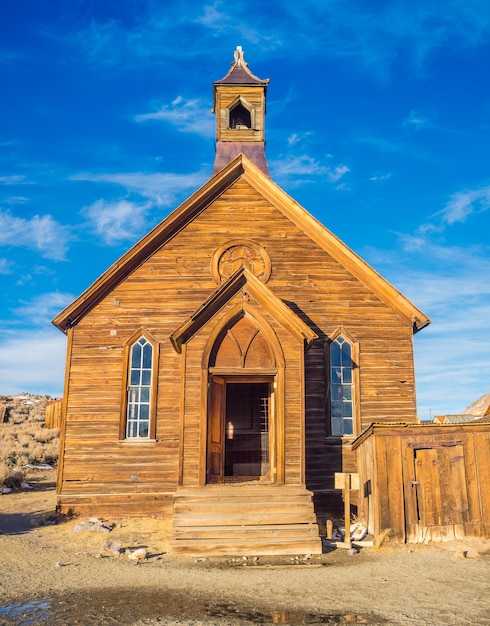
(219, 371)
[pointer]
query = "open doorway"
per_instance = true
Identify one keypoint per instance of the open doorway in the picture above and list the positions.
(239, 429)
(247, 431)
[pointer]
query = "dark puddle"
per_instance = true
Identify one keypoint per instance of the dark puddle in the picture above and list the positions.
(141, 607)
(28, 613)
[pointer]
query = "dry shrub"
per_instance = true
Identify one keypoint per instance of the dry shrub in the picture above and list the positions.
(14, 480)
(45, 435)
(24, 440)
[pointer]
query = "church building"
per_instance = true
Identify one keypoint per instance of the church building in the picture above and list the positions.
(218, 373)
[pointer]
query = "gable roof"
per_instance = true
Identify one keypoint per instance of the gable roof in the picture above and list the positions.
(244, 280)
(479, 408)
(240, 167)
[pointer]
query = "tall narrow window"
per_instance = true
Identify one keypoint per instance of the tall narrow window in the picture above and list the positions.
(140, 381)
(341, 387)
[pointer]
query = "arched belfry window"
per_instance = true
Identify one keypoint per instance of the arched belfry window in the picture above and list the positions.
(240, 117)
(139, 422)
(343, 382)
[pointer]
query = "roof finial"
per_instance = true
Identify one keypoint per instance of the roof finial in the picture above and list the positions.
(239, 58)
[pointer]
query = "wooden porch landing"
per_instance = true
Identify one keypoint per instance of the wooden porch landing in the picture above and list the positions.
(244, 519)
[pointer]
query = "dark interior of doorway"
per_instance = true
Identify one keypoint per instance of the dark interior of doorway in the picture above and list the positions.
(247, 431)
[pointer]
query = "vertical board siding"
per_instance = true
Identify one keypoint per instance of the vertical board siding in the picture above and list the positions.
(429, 483)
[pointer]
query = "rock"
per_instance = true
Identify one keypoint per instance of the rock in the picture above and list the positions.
(93, 525)
(137, 555)
(114, 547)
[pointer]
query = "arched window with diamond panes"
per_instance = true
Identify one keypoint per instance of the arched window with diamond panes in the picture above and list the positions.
(341, 387)
(140, 381)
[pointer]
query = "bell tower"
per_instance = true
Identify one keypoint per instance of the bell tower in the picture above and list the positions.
(239, 106)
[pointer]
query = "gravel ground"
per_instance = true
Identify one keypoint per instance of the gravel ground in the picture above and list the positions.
(50, 574)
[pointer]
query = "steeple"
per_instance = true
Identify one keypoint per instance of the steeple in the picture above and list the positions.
(239, 106)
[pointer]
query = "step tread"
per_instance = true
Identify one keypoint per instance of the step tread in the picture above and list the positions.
(256, 546)
(238, 519)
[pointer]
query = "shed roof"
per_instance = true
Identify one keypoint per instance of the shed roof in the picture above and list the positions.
(453, 419)
(240, 168)
(394, 428)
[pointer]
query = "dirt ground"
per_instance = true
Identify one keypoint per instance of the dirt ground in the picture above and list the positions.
(50, 574)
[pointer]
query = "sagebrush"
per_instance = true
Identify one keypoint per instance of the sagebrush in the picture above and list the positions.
(24, 439)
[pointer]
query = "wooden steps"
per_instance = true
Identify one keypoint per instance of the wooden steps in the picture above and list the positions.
(244, 520)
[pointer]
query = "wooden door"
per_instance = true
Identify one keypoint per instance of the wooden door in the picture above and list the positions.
(216, 430)
(440, 489)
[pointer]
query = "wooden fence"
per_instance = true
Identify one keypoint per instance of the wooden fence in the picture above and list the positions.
(53, 414)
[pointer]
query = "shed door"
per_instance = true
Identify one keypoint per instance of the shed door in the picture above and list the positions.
(441, 486)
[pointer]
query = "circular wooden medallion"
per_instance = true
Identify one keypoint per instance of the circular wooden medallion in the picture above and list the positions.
(235, 254)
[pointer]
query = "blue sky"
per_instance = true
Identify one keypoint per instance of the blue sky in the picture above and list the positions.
(378, 123)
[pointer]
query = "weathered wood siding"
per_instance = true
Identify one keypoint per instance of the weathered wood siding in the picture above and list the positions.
(53, 416)
(425, 482)
(158, 296)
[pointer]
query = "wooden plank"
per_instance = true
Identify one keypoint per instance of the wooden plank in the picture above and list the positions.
(482, 454)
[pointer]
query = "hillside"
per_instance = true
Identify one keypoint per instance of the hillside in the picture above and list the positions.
(23, 438)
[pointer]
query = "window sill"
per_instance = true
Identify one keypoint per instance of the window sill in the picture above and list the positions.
(136, 441)
(340, 439)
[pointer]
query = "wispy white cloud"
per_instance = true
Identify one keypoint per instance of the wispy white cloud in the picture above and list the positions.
(390, 145)
(301, 169)
(162, 189)
(14, 179)
(336, 173)
(416, 120)
(188, 116)
(301, 138)
(446, 282)
(452, 353)
(6, 266)
(450, 360)
(40, 233)
(380, 178)
(217, 19)
(214, 18)
(464, 204)
(42, 308)
(460, 207)
(370, 36)
(116, 221)
(375, 36)
(17, 200)
(33, 361)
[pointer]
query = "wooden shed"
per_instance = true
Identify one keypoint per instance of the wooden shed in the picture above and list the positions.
(425, 482)
(218, 372)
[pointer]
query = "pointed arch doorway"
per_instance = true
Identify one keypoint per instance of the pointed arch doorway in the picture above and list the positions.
(242, 424)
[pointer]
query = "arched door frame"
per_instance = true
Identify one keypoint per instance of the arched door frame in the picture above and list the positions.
(277, 417)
